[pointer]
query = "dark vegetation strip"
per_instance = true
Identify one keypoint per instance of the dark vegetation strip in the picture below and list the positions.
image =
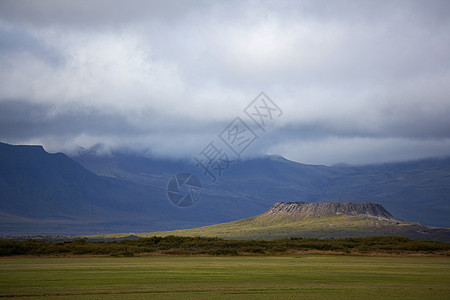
(175, 245)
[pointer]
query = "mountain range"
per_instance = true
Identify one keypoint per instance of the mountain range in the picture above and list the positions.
(87, 193)
(413, 191)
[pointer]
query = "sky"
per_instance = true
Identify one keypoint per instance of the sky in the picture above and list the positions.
(355, 81)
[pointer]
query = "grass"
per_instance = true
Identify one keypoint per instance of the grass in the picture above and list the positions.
(287, 277)
(277, 227)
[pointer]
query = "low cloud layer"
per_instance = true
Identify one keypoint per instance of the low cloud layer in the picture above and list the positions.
(358, 82)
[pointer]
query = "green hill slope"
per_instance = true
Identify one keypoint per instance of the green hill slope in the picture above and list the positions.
(261, 227)
(313, 220)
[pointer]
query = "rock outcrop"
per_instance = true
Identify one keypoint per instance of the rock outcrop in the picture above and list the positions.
(305, 209)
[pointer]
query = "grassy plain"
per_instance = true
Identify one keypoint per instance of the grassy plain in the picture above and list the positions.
(309, 276)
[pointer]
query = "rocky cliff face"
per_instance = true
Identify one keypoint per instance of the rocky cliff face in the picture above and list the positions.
(305, 209)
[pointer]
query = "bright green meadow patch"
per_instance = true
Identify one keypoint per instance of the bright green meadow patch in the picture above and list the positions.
(241, 277)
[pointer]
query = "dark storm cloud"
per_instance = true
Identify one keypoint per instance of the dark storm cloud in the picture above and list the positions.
(358, 81)
(93, 127)
(15, 41)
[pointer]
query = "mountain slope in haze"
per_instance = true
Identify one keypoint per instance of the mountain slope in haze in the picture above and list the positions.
(317, 220)
(413, 191)
(42, 193)
(36, 183)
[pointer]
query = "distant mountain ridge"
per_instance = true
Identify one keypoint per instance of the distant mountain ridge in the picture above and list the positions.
(43, 193)
(413, 190)
(304, 209)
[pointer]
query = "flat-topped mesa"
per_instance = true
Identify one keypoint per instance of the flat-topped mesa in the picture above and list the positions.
(305, 209)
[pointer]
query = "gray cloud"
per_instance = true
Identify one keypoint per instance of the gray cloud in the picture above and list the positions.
(15, 40)
(85, 13)
(359, 82)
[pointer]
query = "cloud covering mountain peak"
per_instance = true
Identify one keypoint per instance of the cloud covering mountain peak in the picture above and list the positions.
(357, 82)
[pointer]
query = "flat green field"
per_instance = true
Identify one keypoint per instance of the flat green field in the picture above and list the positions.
(310, 276)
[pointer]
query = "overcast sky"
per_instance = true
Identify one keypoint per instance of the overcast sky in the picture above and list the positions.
(357, 81)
